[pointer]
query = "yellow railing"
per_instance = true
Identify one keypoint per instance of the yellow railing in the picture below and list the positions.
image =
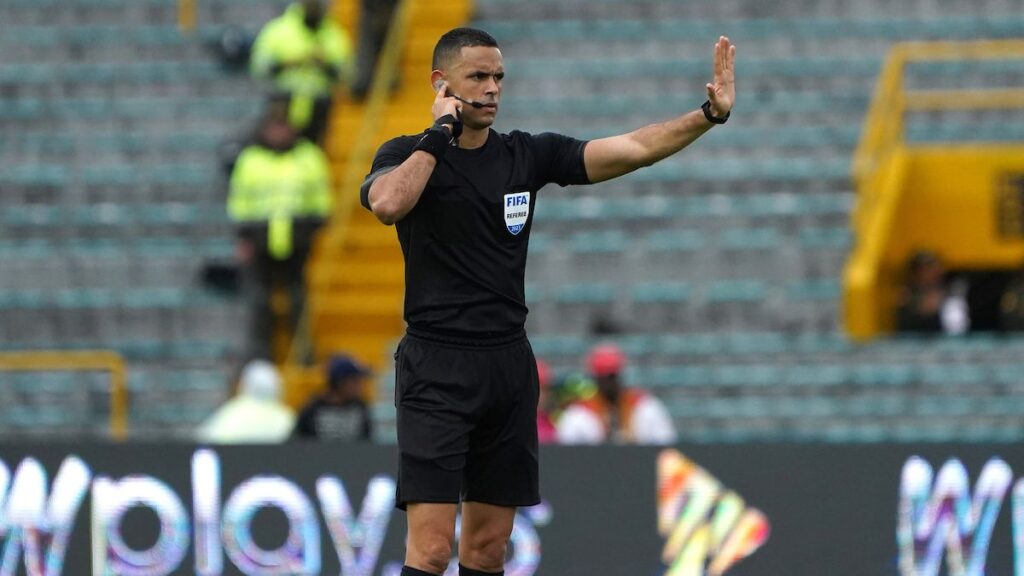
(883, 126)
(101, 360)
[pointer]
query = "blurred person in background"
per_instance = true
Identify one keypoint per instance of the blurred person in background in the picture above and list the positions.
(546, 431)
(1011, 304)
(570, 389)
(928, 303)
(255, 415)
(277, 105)
(279, 197)
(340, 414)
(304, 53)
(615, 413)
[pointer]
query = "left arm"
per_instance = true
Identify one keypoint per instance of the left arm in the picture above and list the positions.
(612, 157)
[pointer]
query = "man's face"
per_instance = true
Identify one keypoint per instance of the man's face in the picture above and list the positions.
(277, 135)
(477, 75)
(933, 273)
(349, 388)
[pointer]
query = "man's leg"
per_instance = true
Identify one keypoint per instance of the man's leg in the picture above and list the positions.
(261, 310)
(484, 540)
(296, 283)
(502, 465)
(431, 532)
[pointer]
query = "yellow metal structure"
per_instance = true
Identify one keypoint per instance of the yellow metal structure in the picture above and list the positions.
(943, 198)
(84, 361)
(356, 273)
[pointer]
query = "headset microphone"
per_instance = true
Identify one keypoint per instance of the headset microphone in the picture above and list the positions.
(472, 103)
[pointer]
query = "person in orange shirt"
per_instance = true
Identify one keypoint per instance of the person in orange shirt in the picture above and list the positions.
(616, 413)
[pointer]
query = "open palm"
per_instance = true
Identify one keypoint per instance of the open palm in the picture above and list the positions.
(722, 93)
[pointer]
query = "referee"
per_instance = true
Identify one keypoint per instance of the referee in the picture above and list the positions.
(462, 198)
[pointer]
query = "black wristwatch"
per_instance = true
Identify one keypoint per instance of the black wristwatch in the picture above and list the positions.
(706, 107)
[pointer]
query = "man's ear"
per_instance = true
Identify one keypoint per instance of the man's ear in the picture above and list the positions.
(436, 79)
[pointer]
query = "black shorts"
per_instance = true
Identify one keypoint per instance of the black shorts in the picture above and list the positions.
(467, 423)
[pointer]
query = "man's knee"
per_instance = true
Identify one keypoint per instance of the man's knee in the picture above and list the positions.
(431, 551)
(431, 531)
(484, 550)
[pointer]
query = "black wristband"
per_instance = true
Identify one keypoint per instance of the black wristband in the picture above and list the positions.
(434, 142)
(452, 121)
(706, 107)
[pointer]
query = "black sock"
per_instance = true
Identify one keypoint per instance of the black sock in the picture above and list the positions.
(406, 571)
(463, 571)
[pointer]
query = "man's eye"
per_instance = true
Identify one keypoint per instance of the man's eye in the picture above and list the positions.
(499, 77)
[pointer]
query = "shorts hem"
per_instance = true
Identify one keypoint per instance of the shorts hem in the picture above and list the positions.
(523, 503)
(404, 504)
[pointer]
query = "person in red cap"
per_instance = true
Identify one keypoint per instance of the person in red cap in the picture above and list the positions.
(615, 413)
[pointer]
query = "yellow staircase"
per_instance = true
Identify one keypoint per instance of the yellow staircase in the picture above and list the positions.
(954, 199)
(356, 274)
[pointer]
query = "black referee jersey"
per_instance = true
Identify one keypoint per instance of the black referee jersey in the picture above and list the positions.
(465, 241)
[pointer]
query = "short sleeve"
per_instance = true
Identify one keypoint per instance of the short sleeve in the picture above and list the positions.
(559, 159)
(390, 155)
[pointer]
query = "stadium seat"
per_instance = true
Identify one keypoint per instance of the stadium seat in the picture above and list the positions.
(607, 241)
(674, 241)
(824, 289)
(585, 293)
(839, 237)
(726, 291)
(660, 292)
(764, 238)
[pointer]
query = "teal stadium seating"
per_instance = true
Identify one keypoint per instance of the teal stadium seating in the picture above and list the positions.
(111, 122)
(721, 264)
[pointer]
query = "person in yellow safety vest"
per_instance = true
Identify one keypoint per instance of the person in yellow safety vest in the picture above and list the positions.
(303, 52)
(279, 196)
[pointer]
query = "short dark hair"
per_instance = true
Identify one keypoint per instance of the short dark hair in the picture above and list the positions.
(453, 41)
